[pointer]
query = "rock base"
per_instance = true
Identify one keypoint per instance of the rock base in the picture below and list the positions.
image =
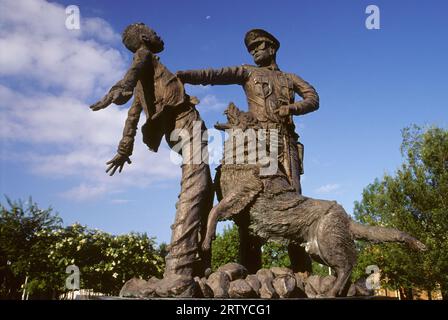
(233, 281)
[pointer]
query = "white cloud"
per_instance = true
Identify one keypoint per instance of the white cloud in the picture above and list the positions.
(197, 89)
(328, 188)
(36, 44)
(69, 140)
(49, 76)
(100, 29)
(211, 103)
(84, 192)
(208, 101)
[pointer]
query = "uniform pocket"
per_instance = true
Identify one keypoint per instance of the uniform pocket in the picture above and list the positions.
(262, 86)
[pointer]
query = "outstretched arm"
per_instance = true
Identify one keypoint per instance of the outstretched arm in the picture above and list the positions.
(123, 90)
(126, 144)
(228, 75)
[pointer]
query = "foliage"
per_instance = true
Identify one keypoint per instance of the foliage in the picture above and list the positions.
(33, 244)
(275, 255)
(413, 200)
(225, 247)
(105, 261)
(319, 269)
(20, 243)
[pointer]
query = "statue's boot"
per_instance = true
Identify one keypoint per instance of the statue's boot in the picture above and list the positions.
(178, 278)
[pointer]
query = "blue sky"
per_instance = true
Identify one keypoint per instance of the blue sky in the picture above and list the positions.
(372, 83)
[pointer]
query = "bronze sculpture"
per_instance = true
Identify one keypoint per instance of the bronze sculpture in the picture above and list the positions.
(270, 95)
(265, 206)
(167, 107)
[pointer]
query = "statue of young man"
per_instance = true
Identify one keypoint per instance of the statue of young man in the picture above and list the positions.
(162, 97)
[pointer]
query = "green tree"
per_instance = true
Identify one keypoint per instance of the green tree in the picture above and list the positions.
(225, 247)
(21, 257)
(105, 261)
(163, 250)
(275, 255)
(36, 249)
(414, 200)
(20, 243)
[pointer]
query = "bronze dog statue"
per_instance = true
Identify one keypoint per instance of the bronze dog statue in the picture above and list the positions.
(277, 212)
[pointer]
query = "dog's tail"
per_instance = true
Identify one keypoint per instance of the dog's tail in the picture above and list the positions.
(382, 234)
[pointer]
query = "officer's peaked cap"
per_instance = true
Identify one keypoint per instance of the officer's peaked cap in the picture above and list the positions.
(257, 35)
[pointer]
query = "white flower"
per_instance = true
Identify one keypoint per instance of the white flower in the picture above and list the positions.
(115, 275)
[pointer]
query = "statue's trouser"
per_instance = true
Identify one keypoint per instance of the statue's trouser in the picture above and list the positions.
(195, 202)
(191, 210)
(291, 159)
